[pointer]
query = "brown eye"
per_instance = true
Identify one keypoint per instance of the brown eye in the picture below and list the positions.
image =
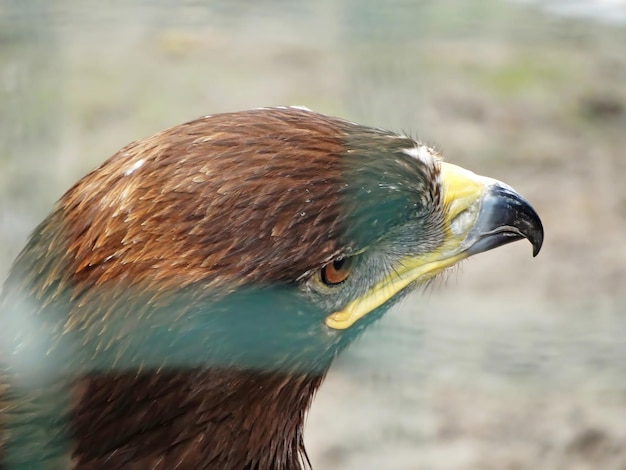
(336, 271)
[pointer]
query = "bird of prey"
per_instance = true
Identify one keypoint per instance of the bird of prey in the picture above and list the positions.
(182, 303)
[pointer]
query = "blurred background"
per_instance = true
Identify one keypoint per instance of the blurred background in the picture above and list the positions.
(509, 362)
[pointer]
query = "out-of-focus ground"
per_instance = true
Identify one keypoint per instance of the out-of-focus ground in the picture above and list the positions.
(509, 363)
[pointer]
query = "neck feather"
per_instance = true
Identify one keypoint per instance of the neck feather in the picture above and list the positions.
(218, 419)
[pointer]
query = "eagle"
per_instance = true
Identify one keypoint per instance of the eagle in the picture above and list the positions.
(181, 304)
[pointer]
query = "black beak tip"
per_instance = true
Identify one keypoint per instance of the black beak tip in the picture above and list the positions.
(537, 242)
(525, 219)
(532, 227)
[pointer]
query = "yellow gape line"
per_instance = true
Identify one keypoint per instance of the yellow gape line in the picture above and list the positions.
(387, 289)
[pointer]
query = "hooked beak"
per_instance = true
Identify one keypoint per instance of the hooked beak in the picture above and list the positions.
(487, 212)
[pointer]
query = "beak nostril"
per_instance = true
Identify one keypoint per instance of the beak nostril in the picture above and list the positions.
(463, 221)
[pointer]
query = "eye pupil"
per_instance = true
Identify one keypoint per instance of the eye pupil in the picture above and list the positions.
(336, 272)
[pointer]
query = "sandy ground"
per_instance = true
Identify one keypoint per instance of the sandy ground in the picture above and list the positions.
(511, 362)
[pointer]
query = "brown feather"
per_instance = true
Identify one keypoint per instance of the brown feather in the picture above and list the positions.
(131, 296)
(246, 424)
